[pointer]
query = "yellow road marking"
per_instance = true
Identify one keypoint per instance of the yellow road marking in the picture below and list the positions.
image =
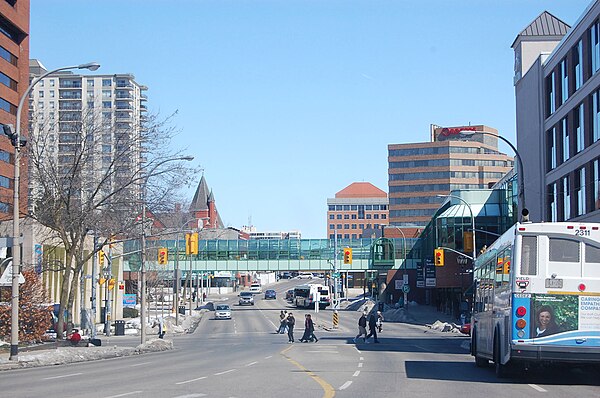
(328, 390)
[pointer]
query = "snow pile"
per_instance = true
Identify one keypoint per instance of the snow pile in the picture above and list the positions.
(444, 327)
(63, 355)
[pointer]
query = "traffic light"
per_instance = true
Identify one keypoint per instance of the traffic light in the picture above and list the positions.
(101, 258)
(111, 283)
(438, 257)
(163, 255)
(194, 243)
(347, 256)
(191, 243)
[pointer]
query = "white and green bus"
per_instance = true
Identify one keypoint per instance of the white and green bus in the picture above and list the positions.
(537, 297)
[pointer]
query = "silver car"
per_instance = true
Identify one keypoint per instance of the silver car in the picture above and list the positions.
(223, 311)
(246, 298)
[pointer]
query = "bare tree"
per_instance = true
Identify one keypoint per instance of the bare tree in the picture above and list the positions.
(86, 176)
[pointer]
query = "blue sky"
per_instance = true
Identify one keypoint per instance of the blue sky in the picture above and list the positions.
(284, 103)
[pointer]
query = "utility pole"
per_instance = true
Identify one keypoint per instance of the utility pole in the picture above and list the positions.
(94, 285)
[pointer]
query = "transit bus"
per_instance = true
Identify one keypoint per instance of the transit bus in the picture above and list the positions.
(537, 297)
(305, 295)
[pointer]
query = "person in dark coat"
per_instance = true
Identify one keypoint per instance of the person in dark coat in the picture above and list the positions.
(372, 327)
(309, 330)
(291, 321)
(362, 327)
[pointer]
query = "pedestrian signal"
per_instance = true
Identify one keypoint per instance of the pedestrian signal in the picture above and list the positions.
(438, 257)
(163, 255)
(347, 256)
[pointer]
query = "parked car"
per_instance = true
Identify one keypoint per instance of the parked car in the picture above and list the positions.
(289, 295)
(305, 275)
(466, 328)
(285, 275)
(246, 298)
(223, 311)
(270, 294)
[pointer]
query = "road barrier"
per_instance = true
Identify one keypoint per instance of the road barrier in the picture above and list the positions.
(336, 320)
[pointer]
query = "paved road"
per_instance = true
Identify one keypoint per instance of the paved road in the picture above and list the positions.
(245, 358)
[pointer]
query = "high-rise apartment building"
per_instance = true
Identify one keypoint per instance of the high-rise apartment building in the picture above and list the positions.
(358, 207)
(102, 113)
(557, 88)
(418, 172)
(14, 79)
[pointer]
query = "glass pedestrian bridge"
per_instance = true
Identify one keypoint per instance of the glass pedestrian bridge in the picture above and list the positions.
(274, 254)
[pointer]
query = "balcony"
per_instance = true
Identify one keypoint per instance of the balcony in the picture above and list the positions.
(69, 83)
(69, 94)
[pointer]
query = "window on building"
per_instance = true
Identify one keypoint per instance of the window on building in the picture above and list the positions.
(368, 216)
(566, 150)
(579, 121)
(106, 93)
(564, 81)
(361, 212)
(596, 184)
(41, 94)
(52, 93)
(338, 216)
(51, 105)
(384, 216)
(354, 236)
(346, 226)
(353, 207)
(353, 226)
(577, 64)
(106, 104)
(361, 226)
(353, 216)
(376, 216)
(106, 82)
(346, 236)
(8, 56)
(346, 216)
(331, 207)
(332, 217)
(580, 190)
(550, 90)
(331, 226)
(52, 82)
(90, 94)
(551, 149)
(339, 226)
(595, 46)
(566, 198)
(90, 82)
(552, 209)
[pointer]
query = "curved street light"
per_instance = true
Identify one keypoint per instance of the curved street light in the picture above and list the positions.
(472, 219)
(142, 286)
(521, 194)
(16, 248)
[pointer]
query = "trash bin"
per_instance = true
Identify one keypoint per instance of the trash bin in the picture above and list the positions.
(119, 328)
(182, 309)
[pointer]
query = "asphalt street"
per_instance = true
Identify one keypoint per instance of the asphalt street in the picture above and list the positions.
(244, 357)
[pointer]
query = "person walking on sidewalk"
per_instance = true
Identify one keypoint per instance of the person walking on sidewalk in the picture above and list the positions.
(372, 327)
(362, 327)
(291, 321)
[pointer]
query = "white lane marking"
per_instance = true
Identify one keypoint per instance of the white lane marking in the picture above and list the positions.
(252, 363)
(62, 376)
(326, 352)
(269, 357)
(537, 388)
(140, 364)
(190, 396)
(421, 348)
(125, 394)
(226, 371)
(190, 381)
(357, 350)
(361, 358)
(360, 364)
(345, 385)
(356, 373)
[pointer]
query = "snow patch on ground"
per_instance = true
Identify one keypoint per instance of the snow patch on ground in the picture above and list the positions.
(64, 355)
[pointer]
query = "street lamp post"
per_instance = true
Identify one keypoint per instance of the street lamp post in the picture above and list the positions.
(142, 285)
(472, 219)
(16, 248)
(405, 266)
(176, 276)
(521, 194)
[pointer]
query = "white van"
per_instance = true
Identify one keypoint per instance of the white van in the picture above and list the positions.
(255, 288)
